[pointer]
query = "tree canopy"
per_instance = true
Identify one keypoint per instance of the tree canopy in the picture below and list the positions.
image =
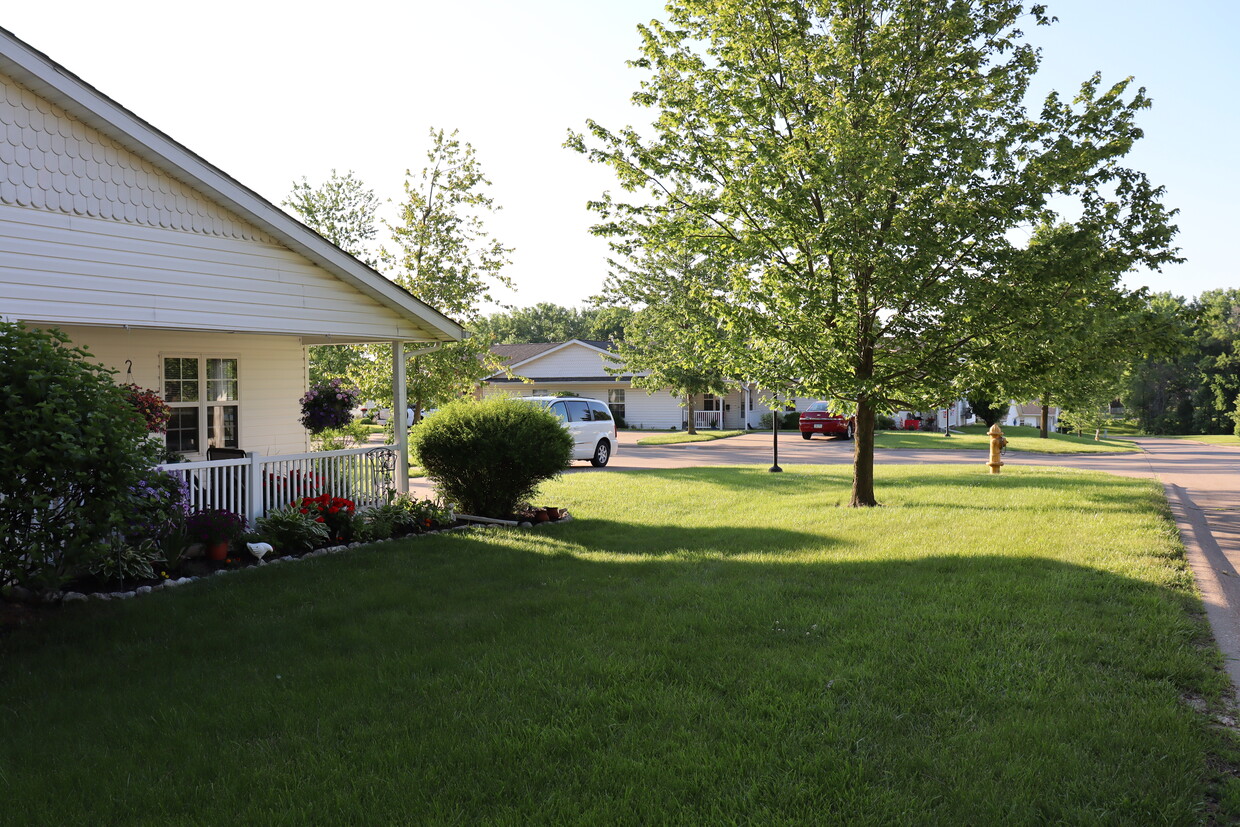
(439, 250)
(548, 322)
(862, 168)
(1192, 385)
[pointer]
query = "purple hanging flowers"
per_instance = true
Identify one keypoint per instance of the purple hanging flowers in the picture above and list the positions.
(328, 405)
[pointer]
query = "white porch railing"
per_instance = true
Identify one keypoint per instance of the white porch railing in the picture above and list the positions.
(255, 485)
(707, 419)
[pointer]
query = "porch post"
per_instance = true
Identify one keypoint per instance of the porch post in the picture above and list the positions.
(254, 489)
(400, 426)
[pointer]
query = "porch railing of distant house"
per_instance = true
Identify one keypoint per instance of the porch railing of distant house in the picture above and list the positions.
(707, 419)
(255, 485)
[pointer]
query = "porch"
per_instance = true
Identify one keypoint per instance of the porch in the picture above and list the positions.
(254, 485)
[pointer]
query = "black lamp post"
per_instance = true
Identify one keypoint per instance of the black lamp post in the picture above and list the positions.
(774, 442)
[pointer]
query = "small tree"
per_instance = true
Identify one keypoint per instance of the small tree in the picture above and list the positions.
(72, 453)
(862, 170)
(489, 457)
(443, 254)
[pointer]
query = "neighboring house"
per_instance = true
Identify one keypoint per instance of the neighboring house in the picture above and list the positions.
(957, 413)
(172, 272)
(1030, 415)
(580, 367)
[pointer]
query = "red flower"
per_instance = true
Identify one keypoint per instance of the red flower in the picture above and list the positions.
(318, 519)
(333, 510)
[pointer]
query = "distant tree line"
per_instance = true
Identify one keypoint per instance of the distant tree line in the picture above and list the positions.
(1194, 385)
(547, 322)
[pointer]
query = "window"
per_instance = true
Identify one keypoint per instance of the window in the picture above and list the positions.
(710, 402)
(599, 412)
(615, 401)
(578, 411)
(204, 394)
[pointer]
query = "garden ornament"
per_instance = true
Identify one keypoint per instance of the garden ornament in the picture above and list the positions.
(259, 550)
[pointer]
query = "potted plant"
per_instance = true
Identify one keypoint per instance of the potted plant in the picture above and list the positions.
(328, 405)
(147, 403)
(215, 528)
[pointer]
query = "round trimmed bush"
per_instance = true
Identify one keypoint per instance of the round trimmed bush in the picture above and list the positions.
(490, 457)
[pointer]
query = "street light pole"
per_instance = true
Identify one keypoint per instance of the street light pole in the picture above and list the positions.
(774, 442)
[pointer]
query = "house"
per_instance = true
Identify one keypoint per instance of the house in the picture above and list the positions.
(180, 277)
(1030, 415)
(581, 367)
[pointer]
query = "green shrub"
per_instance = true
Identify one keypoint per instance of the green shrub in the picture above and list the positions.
(72, 450)
(291, 532)
(882, 422)
(123, 562)
(788, 421)
(489, 457)
(405, 515)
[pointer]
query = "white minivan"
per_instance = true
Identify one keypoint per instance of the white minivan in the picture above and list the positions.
(588, 420)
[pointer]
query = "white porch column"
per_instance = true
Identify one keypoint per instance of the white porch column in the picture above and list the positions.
(400, 425)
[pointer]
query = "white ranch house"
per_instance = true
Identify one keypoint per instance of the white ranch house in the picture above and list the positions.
(184, 280)
(580, 367)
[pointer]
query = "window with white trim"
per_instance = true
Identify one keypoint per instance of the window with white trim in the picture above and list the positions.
(204, 395)
(615, 401)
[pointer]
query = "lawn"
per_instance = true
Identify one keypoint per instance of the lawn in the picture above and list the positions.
(699, 646)
(677, 437)
(1208, 439)
(1020, 438)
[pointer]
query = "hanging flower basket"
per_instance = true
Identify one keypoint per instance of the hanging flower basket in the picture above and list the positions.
(328, 405)
(149, 406)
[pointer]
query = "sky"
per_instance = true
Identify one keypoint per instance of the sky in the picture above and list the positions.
(270, 96)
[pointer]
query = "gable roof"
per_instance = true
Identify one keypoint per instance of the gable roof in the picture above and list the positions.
(517, 355)
(48, 79)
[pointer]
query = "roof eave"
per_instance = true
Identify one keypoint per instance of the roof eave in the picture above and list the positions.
(47, 78)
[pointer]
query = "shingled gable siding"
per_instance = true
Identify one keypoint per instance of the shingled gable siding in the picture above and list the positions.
(271, 370)
(92, 234)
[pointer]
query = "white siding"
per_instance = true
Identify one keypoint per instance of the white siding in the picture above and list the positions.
(271, 370)
(92, 234)
(659, 410)
(573, 360)
(71, 270)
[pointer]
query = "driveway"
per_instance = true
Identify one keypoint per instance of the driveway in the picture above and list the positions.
(1201, 482)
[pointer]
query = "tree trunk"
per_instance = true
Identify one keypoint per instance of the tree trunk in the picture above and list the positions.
(1046, 415)
(690, 426)
(863, 456)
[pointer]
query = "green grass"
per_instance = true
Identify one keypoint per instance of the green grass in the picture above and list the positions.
(1209, 439)
(973, 437)
(675, 438)
(706, 646)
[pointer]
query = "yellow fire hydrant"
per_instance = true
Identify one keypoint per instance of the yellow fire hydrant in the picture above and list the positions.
(997, 443)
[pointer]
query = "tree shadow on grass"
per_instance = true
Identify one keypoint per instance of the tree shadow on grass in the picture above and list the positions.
(478, 679)
(951, 489)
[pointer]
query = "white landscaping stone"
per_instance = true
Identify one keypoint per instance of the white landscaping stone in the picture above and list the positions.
(143, 590)
(73, 597)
